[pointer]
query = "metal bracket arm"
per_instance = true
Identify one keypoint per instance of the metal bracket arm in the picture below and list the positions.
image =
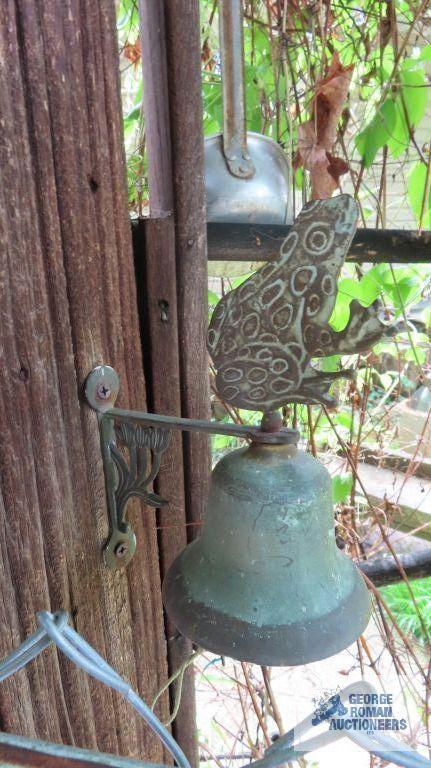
(144, 437)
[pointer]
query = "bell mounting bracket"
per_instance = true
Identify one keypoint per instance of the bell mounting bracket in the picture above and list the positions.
(144, 437)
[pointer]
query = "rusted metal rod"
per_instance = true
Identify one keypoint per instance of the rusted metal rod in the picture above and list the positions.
(245, 242)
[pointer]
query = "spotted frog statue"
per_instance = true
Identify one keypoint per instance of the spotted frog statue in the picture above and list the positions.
(264, 334)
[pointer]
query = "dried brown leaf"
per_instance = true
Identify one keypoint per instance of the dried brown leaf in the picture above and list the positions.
(132, 52)
(316, 137)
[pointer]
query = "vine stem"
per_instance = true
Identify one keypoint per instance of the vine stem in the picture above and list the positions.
(426, 193)
(255, 703)
(379, 523)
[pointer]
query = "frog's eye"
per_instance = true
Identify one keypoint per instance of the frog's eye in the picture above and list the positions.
(386, 315)
(319, 238)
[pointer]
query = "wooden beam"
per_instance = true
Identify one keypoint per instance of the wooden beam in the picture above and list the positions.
(67, 303)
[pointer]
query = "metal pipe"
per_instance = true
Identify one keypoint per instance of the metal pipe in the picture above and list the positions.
(232, 63)
(201, 425)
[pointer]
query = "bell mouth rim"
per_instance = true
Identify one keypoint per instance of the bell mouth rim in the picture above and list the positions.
(278, 645)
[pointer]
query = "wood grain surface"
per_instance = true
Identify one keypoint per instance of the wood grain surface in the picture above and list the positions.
(156, 272)
(67, 303)
(185, 100)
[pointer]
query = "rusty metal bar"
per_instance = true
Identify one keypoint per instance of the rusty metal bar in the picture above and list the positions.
(245, 242)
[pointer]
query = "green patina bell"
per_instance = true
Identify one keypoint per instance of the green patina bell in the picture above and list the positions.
(266, 582)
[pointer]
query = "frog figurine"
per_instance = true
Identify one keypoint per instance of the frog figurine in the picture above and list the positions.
(264, 334)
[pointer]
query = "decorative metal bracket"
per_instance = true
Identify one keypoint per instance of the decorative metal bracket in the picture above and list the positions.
(145, 437)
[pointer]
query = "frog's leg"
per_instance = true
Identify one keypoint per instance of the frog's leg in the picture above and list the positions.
(315, 385)
(366, 327)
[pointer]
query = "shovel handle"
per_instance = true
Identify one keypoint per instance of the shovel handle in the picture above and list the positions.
(232, 61)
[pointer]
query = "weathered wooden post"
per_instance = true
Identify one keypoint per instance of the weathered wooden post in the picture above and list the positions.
(67, 302)
(157, 290)
(172, 265)
(185, 99)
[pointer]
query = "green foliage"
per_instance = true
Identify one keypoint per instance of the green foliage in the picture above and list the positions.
(222, 443)
(398, 114)
(127, 16)
(388, 97)
(378, 132)
(400, 603)
(341, 488)
(212, 104)
(400, 287)
(419, 187)
(213, 299)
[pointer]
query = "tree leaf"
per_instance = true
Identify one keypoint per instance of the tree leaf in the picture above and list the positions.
(399, 140)
(133, 115)
(416, 191)
(425, 54)
(366, 290)
(341, 487)
(331, 364)
(341, 312)
(369, 289)
(410, 104)
(414, 93)
(377, 133)
(213, 299)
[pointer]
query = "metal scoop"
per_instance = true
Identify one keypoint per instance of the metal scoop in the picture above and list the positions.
(247, 175)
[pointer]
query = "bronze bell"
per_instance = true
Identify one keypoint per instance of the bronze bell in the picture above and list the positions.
(266, 582)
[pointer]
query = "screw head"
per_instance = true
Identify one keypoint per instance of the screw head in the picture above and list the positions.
(121, 550)
(101, 388)
(104, 392)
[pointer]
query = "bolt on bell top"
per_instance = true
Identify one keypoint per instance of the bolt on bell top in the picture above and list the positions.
(266, 582)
